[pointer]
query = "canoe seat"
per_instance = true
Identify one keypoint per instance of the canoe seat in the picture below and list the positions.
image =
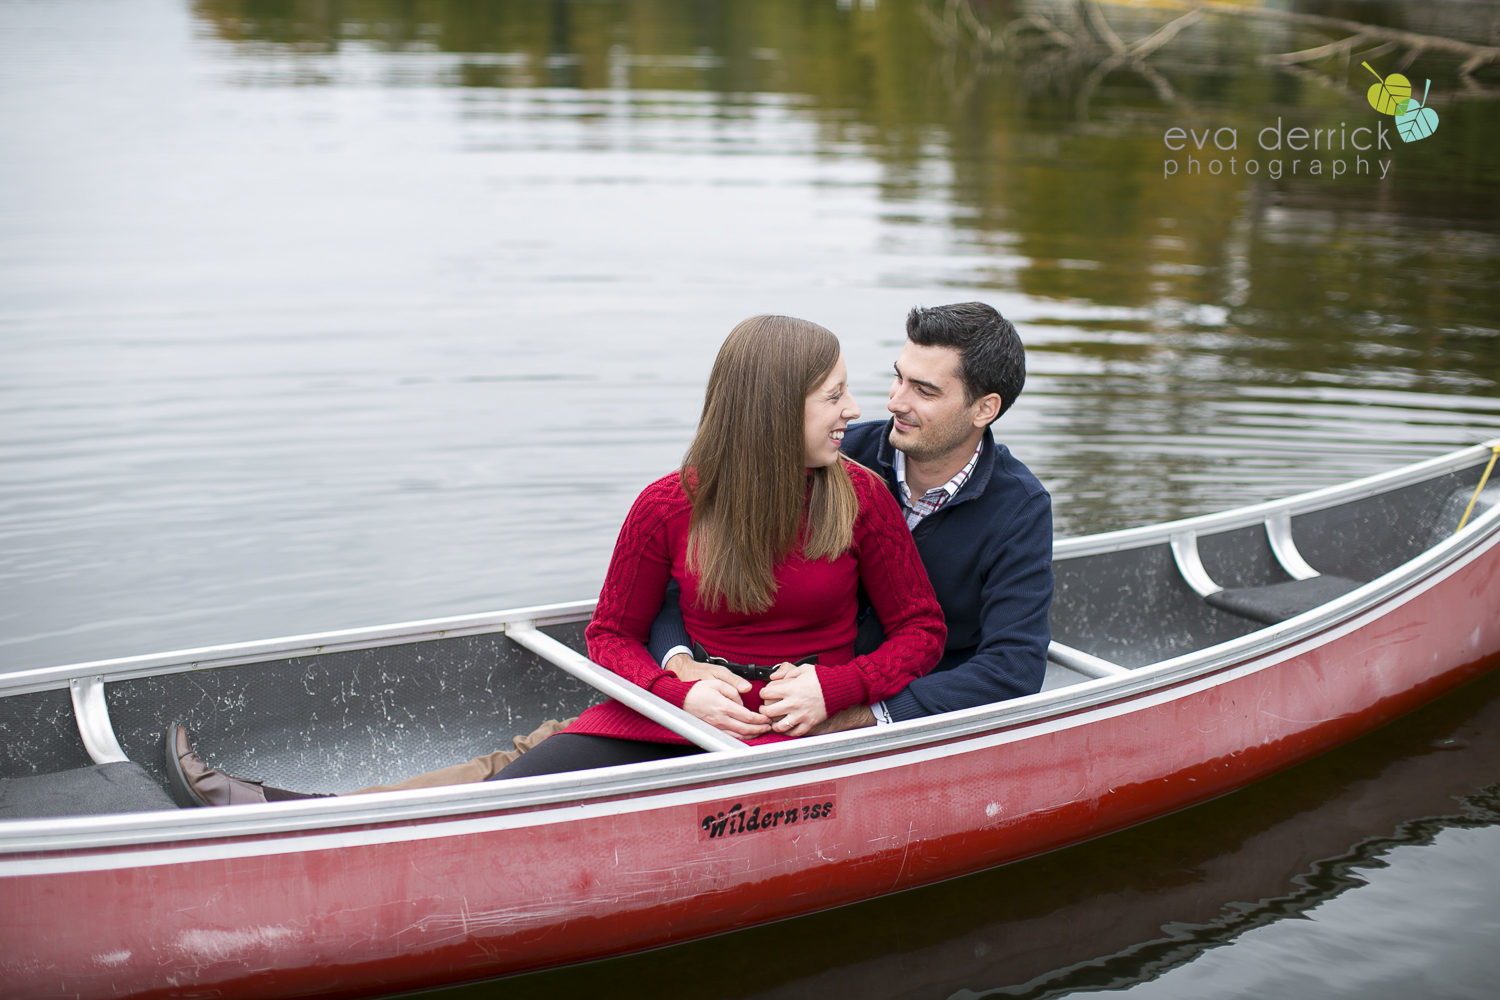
(1280, 601)
(120, 787)
(1272, 603)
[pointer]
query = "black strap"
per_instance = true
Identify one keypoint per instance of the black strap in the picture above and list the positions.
(749, 671)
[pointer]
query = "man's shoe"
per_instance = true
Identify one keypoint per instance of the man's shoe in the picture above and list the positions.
(194, 783)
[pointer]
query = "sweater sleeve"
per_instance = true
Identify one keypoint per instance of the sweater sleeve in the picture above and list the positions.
(639, 571)
(896, 581)
(1011, 657)
(668, 630)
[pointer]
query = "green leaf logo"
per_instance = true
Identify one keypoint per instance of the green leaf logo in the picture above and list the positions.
(1413, 121)
(1389, 94)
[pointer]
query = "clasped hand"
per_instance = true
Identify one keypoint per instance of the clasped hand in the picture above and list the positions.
(794, 699)
(791, 703)
(715, 697)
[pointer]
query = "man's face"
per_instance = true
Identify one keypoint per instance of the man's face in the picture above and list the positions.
(927, 400)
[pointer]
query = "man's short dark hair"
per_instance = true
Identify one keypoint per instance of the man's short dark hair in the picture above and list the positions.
(991, 358)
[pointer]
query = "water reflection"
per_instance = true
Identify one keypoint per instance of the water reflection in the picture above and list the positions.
(995, 182)
(288, 227)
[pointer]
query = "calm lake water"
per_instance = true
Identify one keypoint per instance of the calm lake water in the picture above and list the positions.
(322, 315)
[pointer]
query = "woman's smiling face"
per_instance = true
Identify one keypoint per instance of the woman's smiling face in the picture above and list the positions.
(827, 412)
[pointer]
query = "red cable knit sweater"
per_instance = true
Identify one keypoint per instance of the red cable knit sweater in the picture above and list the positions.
(813, 611)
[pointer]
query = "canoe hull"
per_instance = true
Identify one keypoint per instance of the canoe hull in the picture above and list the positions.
(391, 907)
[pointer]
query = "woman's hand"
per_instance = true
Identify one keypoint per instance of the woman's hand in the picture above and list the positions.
(719, 705)
(688, 669)
(794, 699)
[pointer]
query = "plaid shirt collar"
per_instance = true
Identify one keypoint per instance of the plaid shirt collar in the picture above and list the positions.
(934, 499)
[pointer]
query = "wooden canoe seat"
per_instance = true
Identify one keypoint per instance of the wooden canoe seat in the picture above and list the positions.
(1274, 602)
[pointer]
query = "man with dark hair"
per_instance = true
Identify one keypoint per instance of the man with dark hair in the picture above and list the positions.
(981, 521)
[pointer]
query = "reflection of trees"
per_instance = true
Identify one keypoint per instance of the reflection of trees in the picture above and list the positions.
(1413, 298)
(1367, 280)
(1058, 46)
(1358, 41)
(1077, 35)
(1389, 294)
(1327, 880)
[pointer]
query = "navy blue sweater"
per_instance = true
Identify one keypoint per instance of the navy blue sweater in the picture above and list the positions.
(989, 555)
(988, 552)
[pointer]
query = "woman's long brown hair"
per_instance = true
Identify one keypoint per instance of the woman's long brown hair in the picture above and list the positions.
(745, 471)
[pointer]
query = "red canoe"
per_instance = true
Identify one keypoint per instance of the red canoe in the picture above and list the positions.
(1167, 687)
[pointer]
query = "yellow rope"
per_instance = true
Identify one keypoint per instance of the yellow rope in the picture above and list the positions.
(1494, 454)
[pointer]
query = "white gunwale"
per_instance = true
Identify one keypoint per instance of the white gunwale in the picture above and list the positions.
(1255, 514)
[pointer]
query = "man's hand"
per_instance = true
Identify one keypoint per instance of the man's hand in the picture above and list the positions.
(688, 669)
(794, 699)
(853, 717)
(719, 705)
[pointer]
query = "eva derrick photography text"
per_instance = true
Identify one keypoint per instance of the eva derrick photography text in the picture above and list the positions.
(1327, 152)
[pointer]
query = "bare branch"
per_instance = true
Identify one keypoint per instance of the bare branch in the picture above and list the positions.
(1319, 78)
(1342, 46)
(1045, 26)
(1377, 51)
(1164, 34)
(1096, 18)
(1082, 35)
(1478, 55)
(1164, 90)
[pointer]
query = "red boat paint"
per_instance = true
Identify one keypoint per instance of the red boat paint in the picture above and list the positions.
(380, 908)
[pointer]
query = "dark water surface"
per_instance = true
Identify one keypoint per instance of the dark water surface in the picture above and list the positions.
(317, 315)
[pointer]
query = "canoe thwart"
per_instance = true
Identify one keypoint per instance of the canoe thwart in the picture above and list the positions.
(689, 727)
(1080, 662)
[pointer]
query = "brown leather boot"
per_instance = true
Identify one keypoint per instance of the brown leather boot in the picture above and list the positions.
(194, 783)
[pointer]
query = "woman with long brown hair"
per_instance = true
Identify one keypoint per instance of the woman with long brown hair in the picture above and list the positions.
(770, 534)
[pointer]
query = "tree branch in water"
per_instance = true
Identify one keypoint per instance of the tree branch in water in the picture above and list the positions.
(1091, 41)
